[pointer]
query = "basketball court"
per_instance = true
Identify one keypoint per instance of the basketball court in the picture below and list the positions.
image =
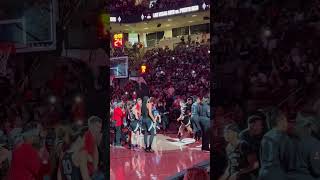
(171, 156)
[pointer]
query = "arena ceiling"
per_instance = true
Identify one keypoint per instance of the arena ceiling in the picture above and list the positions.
(166, 23)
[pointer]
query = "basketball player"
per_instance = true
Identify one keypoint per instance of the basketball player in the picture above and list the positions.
(239, 158)
(195, 118)
(73, 165)
(185, 120)
(148, 120)
(135, 115)
(157, 115)
(204, 121)
(274, 148)
(304, 155)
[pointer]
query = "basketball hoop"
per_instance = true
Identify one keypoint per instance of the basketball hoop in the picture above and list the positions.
(5, 50)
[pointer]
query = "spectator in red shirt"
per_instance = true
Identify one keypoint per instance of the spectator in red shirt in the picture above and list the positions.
(91, 143)
(26, 161)
(117, 120)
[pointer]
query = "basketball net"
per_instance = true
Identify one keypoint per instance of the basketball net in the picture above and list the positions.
(5, 51)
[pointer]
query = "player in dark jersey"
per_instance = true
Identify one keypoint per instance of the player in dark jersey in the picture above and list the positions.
(239, 158)
(195, 118)
(204, 121)
(156, 114)
(304, 154)
(148, 120)
(73, 165)
(274, 147)
(185, 120)
(189, 105)
(163, 113)
(134, 116)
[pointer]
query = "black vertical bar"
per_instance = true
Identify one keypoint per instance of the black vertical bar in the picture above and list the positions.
(107, 121)
(212, 94)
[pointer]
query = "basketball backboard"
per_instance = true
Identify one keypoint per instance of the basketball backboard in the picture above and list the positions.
(119, 67)
(29, 24)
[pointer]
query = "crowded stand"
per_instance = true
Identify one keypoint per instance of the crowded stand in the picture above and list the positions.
(43, 125)
(181, 74)
(267, 61)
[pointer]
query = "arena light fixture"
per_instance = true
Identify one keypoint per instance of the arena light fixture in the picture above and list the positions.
(78, 99)
(52, 99)
(190, 21)
(143, 68)
(267, 33)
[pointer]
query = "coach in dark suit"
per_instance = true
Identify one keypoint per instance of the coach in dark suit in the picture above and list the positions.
(204, 121)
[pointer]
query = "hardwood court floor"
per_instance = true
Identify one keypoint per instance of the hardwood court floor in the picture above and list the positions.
(169, 158)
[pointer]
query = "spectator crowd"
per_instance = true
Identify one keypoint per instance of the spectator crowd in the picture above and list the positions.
(45, 124)
(267, 61)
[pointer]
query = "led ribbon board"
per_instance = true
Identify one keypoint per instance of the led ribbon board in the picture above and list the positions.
(176, 12)
(172, 12)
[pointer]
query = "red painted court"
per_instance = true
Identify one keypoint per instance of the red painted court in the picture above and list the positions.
(170, 157)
